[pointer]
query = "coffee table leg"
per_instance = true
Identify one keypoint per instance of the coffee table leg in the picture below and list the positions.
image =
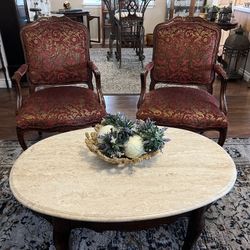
(61, 233)
(195, 226)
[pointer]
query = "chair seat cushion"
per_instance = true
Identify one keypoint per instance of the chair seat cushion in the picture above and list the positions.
(126, 14)
(60, 107)
(182, 107)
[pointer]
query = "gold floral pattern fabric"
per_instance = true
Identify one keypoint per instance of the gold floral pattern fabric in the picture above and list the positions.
(56, 51)
(182, 107)
(185, 52)
(60, 107)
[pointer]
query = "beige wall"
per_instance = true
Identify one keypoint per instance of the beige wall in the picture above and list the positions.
(243, 18)
(58, 4)
(153, 15)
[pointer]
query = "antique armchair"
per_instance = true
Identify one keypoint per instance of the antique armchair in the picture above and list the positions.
(184, 62)
(59, 73)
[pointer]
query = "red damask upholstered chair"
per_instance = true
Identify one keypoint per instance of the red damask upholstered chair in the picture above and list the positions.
(59, 73)
(184, 62)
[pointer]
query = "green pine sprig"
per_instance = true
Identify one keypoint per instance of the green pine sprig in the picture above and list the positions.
(118, 120)
(112, 145)
(152, 135)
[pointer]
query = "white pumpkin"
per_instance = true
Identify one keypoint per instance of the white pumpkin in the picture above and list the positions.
(134, 147)
(104, 130)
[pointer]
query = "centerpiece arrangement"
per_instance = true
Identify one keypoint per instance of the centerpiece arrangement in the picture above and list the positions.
(119, 140)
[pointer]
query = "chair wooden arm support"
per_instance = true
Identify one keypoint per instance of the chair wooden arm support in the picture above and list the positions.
(144, 74)
(147, 69)
(16, 82)
(223, 77)
(220, 71)
(20, 73)
(97, 75)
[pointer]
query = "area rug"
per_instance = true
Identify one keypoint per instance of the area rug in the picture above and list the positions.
(227, 220)
(124, 80)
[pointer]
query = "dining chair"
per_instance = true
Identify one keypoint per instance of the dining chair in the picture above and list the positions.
(127, 29)
(183, 71)
(59, 74)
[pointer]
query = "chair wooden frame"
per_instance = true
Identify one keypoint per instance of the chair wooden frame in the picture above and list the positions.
(24, 70)
(209, 87)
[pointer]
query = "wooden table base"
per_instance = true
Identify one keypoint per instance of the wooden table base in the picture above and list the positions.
(62, 227)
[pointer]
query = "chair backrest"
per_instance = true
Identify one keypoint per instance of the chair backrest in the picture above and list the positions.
(185, 51)
(132, 8)
(56, 50)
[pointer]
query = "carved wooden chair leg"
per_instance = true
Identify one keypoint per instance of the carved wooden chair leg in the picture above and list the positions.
(110, 51)
(20, 137)
(119, 51)
(118, 46)
(222, 137)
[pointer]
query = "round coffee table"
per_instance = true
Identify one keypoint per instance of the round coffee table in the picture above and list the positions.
(61, 179)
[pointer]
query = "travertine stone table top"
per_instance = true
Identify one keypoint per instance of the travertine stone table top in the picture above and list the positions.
(59, 176)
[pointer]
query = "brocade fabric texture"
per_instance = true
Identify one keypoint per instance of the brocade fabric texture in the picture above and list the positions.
(60, 107)
(56, 53)
(182, 107)
(185, 52)
(184, 62)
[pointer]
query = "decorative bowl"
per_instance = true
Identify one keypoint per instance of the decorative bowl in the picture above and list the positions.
(92, 143)
(119, 140)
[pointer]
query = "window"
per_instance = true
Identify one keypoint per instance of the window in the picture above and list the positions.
(92, 2)
(98, 3)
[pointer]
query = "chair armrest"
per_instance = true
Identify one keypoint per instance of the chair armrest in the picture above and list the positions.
(223, 77)
(16, 82)
(144, 74)
(220, 71)
(97, 75)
